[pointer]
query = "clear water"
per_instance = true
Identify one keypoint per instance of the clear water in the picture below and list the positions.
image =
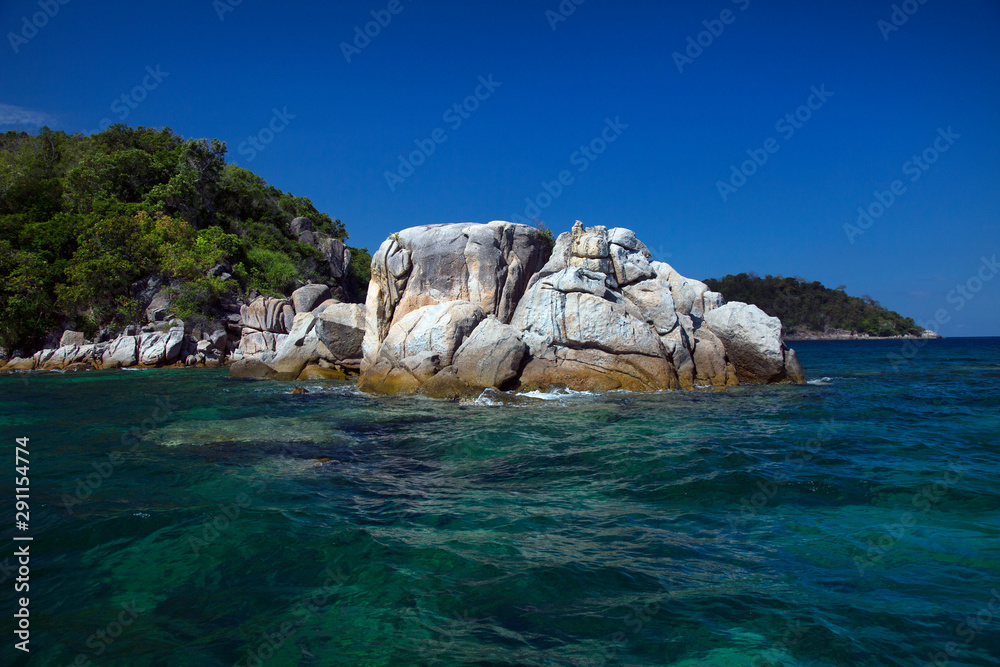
(852, 521)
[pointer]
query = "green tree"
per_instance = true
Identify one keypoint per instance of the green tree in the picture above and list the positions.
(801, 304)
(112, 255)
(26, 315)
(84, 218)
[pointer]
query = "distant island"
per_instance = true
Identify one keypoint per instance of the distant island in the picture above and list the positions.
(810, 311)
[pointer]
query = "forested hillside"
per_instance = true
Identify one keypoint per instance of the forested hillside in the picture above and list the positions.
(86, 221)
(809, 306)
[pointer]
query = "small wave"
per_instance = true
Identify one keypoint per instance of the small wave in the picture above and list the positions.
(821, 382)
(493, 398)
(557, 394)
(488, 398)
(496, 398)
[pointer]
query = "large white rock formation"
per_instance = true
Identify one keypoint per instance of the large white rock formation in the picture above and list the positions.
(456, 308)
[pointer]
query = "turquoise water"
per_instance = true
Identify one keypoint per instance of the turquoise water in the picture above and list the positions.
(182, 518)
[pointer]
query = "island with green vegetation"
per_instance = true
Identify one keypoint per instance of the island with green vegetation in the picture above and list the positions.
(136, 247)
(92, 227)
(810, 311)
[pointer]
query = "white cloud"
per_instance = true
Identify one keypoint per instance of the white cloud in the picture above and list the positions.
(21, 117)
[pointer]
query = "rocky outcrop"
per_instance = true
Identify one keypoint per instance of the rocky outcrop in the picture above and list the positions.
(585, 335)
(490, 356)
(458, 308)
(341, 328)
(419, 345)
(157, 344)
(264, 324)
(254, 342)
(265, 329)
(330, 338)
(453, 309)
(753, 343)
(159, 306)
(69, 355)
(70, 338)
(268, 314)
(307, 297)
(484, 264)
(300, 225)
(327, 334)
(123, 351)
(161, 348)
(230, 332)
(337, 255)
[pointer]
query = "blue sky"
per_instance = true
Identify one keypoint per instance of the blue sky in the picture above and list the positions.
(640, 136)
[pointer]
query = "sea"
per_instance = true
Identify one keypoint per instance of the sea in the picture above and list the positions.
(180, 517)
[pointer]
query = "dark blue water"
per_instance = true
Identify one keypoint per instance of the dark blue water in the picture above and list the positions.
(182, 518)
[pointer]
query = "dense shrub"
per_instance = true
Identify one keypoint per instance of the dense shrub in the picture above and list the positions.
(85, 219)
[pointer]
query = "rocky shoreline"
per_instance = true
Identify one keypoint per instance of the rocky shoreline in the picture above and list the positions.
(257, 329)
(454, 309)
(848, 335)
